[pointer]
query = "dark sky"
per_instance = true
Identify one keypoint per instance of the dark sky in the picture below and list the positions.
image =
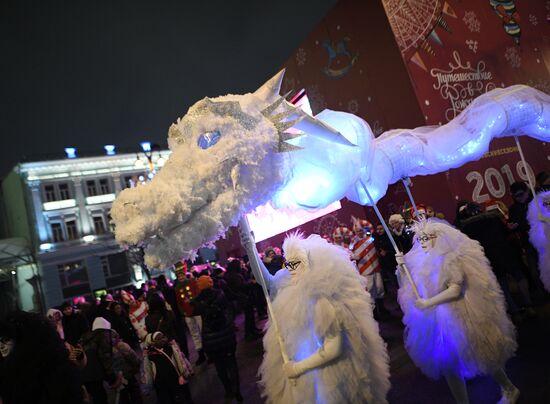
(88, 73)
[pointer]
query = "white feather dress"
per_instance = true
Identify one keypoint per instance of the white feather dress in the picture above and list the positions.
(328, 297)
(539, 235)
(468, 336)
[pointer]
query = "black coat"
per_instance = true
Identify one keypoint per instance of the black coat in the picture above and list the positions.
(491, 232)
(98, 346)
(387, 261)
(74, 327)
(218, 335)
(164, 322)
(518, 214)
(122, 325)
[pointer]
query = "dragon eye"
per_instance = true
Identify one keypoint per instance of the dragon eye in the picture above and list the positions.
(209, 139)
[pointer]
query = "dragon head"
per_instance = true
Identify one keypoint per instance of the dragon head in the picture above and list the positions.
(229, 155)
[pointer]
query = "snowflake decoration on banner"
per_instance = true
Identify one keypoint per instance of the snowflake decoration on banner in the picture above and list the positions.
(301, 57)
(316, 98)
(533, 19)
(353, 106)
(471, 21)
(326, 224)
(540, 84)
(472, 45)
(513, 57)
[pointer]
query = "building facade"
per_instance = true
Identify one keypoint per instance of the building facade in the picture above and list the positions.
(62, 207)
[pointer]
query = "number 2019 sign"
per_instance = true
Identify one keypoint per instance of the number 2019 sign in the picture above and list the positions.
(494, 183)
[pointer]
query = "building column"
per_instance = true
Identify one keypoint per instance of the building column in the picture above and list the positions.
(36, 201)
(116, 183)
(85, 220)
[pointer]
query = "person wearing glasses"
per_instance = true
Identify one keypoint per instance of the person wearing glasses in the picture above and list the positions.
(459, 328)
(324, 317)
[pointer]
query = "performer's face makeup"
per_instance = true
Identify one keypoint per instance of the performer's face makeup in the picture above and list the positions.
(294, 267)
(6, 346)
(426, 241)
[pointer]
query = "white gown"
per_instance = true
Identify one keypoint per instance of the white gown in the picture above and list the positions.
(539, 235)
(329, 298)
(468, 336)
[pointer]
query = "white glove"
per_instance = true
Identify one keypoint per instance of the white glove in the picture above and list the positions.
(291, 369)
(422, 304)
(400, 258)
(331, 349)
(452, 292)
(247, 240)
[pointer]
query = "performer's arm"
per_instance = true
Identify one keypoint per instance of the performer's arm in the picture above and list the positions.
(399, 258)
(256, 264)
(544, 219)
(331, 349)
(451, 293)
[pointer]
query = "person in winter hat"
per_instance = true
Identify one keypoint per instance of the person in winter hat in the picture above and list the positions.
(218, 335)
(363, 252)
(98, 347)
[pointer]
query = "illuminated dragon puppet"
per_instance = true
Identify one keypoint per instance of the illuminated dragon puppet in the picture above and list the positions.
(234, 153)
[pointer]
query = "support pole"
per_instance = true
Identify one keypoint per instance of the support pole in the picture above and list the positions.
(257, 270)
(406, 182)
(531, 185)
(394, 244)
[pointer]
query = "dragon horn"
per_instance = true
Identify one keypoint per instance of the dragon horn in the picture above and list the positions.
(270, 90)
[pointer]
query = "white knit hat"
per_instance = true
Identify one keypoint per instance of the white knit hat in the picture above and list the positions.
(101, 324)
(396, 218)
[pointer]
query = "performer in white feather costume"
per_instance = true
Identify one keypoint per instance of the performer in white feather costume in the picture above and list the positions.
(460, 328)
(325, 319)
(539, 234)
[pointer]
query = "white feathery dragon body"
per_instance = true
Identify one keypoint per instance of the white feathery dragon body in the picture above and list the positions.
(233, 153)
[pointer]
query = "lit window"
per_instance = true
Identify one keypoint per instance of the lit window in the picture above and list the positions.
(74, 279)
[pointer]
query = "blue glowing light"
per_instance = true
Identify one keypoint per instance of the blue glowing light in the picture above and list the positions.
(109, 149)
(208, 139)
(145, 146)
(71, 152)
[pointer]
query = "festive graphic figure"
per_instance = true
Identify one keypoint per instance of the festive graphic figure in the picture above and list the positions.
(539, 233)
(506, 10)
(187, 289)
(342, 236)
(459, 329)
(334, 51)
(364, 253)
(336, 354)
(234, 153)
(137, 311)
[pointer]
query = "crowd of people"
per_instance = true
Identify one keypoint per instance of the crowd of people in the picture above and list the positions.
(133, 342)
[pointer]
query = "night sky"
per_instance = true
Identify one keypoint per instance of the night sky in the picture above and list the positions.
(89, 73)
